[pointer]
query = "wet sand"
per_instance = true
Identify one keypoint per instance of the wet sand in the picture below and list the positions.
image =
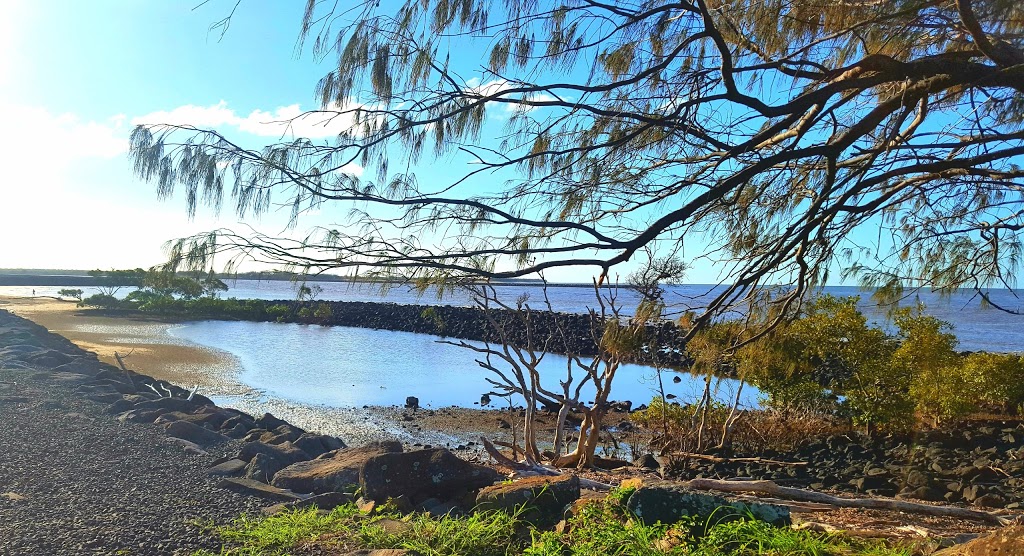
(145, 345)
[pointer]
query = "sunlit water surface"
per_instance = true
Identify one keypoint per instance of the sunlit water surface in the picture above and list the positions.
(345, 367)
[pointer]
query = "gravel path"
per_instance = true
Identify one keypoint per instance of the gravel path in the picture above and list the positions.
(74, 480)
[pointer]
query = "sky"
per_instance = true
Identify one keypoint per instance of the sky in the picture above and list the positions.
(75, 77)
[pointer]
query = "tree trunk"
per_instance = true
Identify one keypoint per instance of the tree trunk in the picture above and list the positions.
(563, 412)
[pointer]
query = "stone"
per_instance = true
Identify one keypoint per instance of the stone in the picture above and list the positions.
(188, 446)
(316, 444)
(139, 416)
(1001, 542)
(973, 492)
(50, 358)
(916, 478)
(228, 468)
(545, 498)
(120, 406)
(256, 488)
(194, 433)
(876, 483)
(286, 453)
(269, 422)
(422, 474)
(668, 503)
(923, 493)
(334, 474)
(168, 404)
(236, 420)
(262, 468)
(204, 416)
(238, 431)
(990, 500)
(647, 461)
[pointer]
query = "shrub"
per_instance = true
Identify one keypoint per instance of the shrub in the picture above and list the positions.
(323, 313)
(834, 344)
(101, 300)
(72, 293)
(997, 380)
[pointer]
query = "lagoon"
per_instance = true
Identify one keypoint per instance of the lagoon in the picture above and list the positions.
(351, 367)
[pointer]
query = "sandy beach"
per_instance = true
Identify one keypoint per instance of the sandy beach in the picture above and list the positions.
(145, 345)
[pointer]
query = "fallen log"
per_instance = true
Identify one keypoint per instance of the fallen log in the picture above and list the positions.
(771, 489)
(526, 470)
(718, 459)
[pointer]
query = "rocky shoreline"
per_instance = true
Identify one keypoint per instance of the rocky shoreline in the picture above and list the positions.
(118, 462)
(980, 465)
(106, 461)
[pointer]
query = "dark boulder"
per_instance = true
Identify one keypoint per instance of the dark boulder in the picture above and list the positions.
(668, 503)
(194, 433)
(422, 474)
(336, 473)
(269, 422)
(262, 468)
(316, 444)
(545, 498)
(286, 453)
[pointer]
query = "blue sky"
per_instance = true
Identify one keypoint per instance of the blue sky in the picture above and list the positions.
(76, 76)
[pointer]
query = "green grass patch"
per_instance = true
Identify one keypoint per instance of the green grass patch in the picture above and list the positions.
(601, 528)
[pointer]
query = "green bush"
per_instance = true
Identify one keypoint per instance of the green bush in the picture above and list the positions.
(928, 351)
(996, 379)
(72, 293)
(833, 343)
(102, 301)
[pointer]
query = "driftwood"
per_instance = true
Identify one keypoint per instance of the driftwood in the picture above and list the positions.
(127, 373)
(717, 459)
(526, 470)
(772, 489)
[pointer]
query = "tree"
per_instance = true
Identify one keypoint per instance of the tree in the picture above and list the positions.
(524, 336)
(109, 282)
(773, 129)
(833, 344)
(72, 293)
(928, 351)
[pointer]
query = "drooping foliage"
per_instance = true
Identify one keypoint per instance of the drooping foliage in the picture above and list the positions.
(760, 135)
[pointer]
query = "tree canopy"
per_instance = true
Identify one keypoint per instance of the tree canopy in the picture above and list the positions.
(759, 135)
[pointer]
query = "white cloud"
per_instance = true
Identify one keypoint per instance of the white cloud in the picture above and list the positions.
(48, 140)
(190, 114)
(288, 120)
(489, 88)
(535, 97)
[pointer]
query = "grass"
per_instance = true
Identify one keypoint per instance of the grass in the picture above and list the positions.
(599, 529)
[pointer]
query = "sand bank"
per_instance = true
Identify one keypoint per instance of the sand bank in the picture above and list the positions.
(149, 347)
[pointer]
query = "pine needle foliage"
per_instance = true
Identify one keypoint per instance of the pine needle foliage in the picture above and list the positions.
(772, 130)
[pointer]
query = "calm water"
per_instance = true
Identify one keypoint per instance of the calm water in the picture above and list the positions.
(350, 367)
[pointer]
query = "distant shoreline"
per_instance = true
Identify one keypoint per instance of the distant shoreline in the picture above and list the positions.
(72, 278)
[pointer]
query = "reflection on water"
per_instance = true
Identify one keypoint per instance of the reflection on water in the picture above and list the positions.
(351, 367)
